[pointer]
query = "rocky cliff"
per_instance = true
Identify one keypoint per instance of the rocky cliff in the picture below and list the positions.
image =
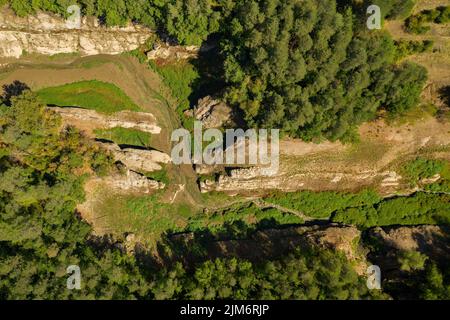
(130, 182)
(138, 160)
(48, 34)
(87, 120)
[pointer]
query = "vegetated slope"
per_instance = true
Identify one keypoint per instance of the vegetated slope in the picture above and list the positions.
(42, 172)
(144, 87)
(41, 235)
(138, 82)
(141, 85)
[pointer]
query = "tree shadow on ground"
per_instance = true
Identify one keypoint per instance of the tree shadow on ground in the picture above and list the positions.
(255, 243)
(444, 94)
(209, 65)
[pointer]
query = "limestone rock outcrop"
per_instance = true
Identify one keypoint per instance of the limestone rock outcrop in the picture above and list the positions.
(262, 178)
(49, 34)
(168, 52)
(132, 182)
(137, 159)
(213, 113)
(85, 119)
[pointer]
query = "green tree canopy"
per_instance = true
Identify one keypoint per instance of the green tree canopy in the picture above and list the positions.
(301, 66)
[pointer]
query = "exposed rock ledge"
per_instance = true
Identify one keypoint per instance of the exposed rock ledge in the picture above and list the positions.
(168, 52)
(132, 182)
(140, 160)
(213, 113)
(87, 119)
(137, 159)
(254, 178)
(48, 34)
(426, 238)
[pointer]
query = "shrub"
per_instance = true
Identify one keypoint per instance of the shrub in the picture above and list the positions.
(406, 48)
(418, 23)
(421, 168)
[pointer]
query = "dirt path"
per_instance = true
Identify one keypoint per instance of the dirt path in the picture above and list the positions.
(266, 205)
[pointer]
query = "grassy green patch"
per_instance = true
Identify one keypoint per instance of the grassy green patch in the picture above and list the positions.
(179, 77)
(420, 208)
(322, 204)
(217, 198)
(160, 176)
(99, 96)
(125, 136)
(145, 216)
(413, 115)
(92, 63)
(421, 168)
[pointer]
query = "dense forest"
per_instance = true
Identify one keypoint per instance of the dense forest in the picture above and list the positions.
(305, 67)
(310, 68)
